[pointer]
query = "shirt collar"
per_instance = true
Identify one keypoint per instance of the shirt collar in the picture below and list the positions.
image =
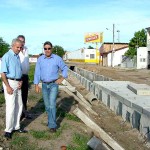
(14, 54)
(52, 55)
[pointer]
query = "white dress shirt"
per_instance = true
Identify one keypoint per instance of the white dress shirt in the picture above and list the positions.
(24, 58)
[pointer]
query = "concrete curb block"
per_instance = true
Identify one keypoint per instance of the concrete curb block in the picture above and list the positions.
(102, 134)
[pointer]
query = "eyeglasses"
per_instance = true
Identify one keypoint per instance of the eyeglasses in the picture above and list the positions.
(47, 48)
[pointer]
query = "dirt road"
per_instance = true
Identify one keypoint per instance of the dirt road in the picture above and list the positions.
(141, 76)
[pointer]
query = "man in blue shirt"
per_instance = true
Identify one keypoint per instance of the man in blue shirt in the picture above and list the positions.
(11, 73)
(47, 70)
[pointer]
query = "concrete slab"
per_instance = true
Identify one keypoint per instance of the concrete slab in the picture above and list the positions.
(139, 89)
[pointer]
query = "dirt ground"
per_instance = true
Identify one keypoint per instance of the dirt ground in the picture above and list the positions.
(69, 127)
(119, 130)
(141, 76)
(71, 132)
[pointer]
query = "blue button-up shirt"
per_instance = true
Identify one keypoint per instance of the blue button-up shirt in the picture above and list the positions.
(11, 65)
(47, 68)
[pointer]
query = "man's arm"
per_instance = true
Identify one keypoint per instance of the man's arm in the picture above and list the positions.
(8, 87)
(37, 77)
(64, 70)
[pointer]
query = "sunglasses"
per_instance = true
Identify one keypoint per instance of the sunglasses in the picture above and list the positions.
(47, 48)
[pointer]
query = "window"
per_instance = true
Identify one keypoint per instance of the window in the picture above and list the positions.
(142, 60)
(92, 56)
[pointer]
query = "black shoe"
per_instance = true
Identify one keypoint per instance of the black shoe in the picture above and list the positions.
(28, 117)
(8, 135)
(22, 116)
(53, 130)
(21, 131)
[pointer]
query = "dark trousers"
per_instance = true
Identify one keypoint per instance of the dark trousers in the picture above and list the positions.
(24, 90)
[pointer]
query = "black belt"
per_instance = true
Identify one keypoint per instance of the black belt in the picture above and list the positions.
(49, 82)
(14, 79)
(24, 75)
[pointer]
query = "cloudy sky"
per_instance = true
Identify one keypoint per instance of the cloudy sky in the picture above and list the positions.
(64, 22)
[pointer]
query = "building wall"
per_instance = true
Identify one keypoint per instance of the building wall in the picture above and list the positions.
(148, 39)
(83, 55)
(142, 57)
(117, 58)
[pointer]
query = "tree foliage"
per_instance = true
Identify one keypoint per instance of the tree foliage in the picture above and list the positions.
(4, 47)
(90, 47)
(139, 40)
(58, 50)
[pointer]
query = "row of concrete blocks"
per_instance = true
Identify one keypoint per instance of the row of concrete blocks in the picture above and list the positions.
(115, 95)
(91, 76)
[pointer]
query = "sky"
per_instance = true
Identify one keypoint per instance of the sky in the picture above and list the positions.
(65, 22)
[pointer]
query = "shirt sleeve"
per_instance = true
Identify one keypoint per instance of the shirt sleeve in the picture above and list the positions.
(37, 72)
(63, 67)
(4, 68)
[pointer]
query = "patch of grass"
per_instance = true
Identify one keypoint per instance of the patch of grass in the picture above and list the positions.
(60, 130)
(2, 99)
(40, 134)
(22, 142)
(80, 142)
(64, 114)
(19, 140)
(31, 73)
(32, 97)
(72, 117)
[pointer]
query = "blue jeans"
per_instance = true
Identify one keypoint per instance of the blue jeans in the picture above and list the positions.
(50, 91)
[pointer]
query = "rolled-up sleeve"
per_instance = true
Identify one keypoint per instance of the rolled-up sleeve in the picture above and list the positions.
(64, 68)
(4, 68)
(37, 72)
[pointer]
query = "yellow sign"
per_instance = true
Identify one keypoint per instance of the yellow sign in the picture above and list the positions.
(95, 37)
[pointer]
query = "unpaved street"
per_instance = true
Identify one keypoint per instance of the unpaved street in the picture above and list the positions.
(141, 76)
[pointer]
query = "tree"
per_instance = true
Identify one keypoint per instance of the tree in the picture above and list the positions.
(90, 47)
(4, 47)
(139, 40)
(58, 50)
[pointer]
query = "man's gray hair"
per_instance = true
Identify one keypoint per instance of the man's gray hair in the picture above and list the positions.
(15, 41)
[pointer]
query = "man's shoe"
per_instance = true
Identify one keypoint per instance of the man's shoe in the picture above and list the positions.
(28, 117)
(22, 116)
(21, 131)
(53, 130)
(8, 135)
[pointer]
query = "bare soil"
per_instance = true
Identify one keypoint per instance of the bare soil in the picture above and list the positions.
(121, 131)
(141, 76)
(39, 137)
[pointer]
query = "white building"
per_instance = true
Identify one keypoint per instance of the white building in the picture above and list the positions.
(142, 57)
(117, 58)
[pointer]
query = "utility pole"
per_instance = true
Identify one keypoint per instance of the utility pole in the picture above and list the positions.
(113, 48)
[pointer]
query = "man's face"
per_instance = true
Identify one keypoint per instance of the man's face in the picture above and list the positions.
(17, 47)
(48, 50)
(23, 41)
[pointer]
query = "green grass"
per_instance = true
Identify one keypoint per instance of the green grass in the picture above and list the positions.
(31, 73)
(60, 130)
(62, 113)
(22, 142)
(2, 99)
(47, 135)
(80, 142)
(19, 140)
(40, 134)
(72, 117)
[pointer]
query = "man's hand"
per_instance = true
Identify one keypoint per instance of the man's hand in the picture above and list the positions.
(20, 84)
(58, 81)
(37, 89)
(9, 90)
